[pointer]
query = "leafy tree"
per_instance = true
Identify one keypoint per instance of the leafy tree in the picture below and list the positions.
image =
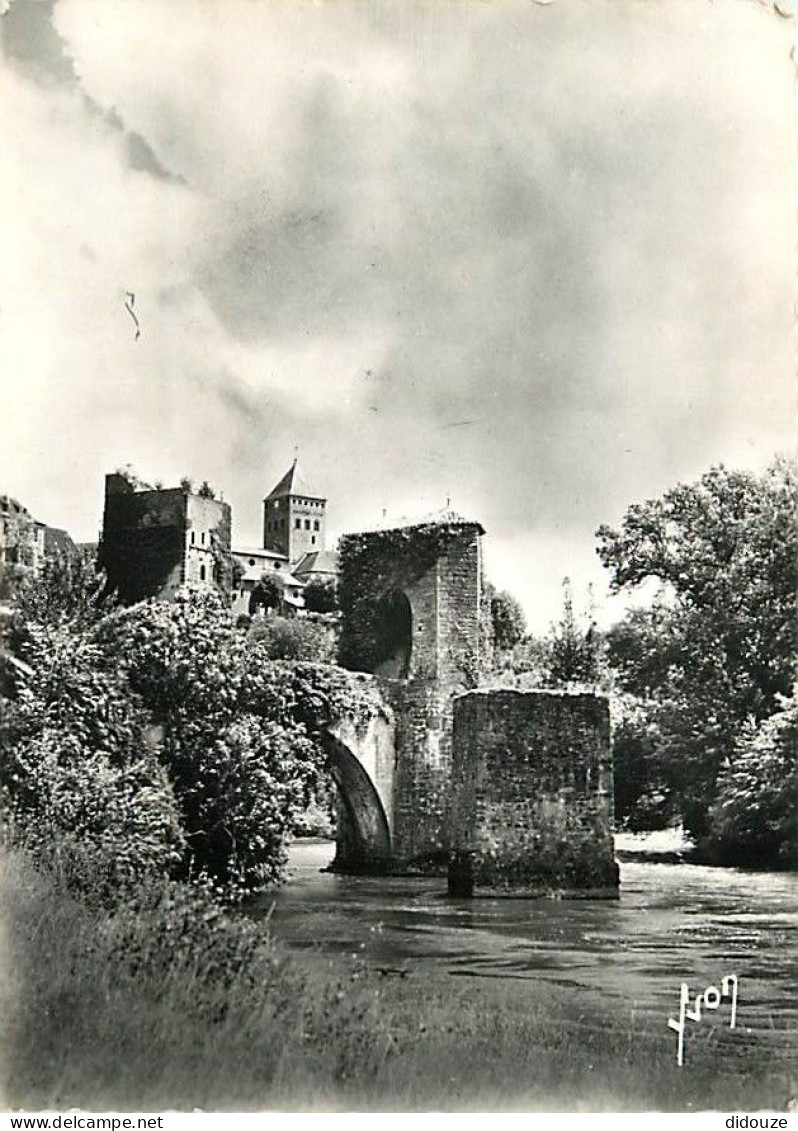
(186, 484)
(524, 665)
(716, 647)
(266, 595)
(321, 596)
(508, 623)
(68, 589)
(643, 799)
(755, 814)
(238, 764)
(81, 783)
(205, 490)
(242, 735)
(572, 653)
(160, 739)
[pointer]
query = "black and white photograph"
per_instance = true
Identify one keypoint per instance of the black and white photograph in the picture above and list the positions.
(398, 547)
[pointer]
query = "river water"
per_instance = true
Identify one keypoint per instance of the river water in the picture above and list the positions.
(674, 922)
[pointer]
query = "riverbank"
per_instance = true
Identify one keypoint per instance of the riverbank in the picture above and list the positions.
(170, 1004)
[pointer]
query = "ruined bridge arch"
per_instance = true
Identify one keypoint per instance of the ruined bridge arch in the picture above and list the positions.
(361, 761)
(504, 791)
(347, 717)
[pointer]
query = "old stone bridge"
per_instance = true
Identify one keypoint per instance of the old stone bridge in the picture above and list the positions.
(506, 791)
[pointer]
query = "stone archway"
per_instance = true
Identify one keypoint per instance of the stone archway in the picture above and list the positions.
(393, 624)
(363, 840)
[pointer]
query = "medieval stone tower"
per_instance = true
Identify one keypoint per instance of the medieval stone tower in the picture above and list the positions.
(505, 791)
(294, 517)
(411, 606)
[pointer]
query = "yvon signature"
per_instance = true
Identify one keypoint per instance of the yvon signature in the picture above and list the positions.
(710, 999)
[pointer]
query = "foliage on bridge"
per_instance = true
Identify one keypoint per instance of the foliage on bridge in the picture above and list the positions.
(373, 564)
(159, 738)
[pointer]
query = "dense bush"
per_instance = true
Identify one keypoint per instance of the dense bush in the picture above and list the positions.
(82, 784)
(240, 765)
(755, 814)
(292, 638)
(159, 738)
(103, 827)
(321, 595)
(68, 589)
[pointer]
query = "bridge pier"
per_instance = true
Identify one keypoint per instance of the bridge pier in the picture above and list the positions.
(532, 808)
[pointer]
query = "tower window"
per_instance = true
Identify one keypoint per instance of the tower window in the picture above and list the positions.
(313, 539)
(297, 524)
(202, 537)
(202, 573)
(251, 561)
(315, 524)
(192, 537)
(307, 524)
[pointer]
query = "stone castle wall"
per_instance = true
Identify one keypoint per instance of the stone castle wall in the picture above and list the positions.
(436, 569)
(146, 547)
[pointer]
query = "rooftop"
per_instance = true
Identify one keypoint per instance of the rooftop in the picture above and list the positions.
(317, 561)
(258, 552)
(444, 517)
(294, 482)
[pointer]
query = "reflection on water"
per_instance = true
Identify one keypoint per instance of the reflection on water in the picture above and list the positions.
(673, 923)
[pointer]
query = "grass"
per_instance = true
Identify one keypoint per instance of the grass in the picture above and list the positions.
(169, 1004)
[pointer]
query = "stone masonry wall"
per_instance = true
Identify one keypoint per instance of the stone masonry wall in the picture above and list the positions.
(142, 548)
(532, 804)
(146, 548)
(437, 567)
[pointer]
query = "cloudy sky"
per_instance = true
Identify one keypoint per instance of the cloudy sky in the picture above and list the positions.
(533, 257)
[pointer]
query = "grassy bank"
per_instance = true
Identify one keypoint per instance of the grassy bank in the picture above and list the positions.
(172, 1004)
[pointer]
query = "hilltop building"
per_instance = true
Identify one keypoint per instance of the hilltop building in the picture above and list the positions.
(294, 550)
(154, 540)
(26, 543)
(294, 517)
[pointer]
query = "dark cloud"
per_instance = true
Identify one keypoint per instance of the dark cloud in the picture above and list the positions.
(529, 257)
(548, 248)
(31, 43)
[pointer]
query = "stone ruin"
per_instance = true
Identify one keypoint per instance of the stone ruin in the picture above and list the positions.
(504, 791)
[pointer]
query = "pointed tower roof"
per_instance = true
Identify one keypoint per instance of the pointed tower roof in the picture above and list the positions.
(293, 483)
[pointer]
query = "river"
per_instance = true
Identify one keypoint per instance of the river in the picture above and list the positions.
(674, 922)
